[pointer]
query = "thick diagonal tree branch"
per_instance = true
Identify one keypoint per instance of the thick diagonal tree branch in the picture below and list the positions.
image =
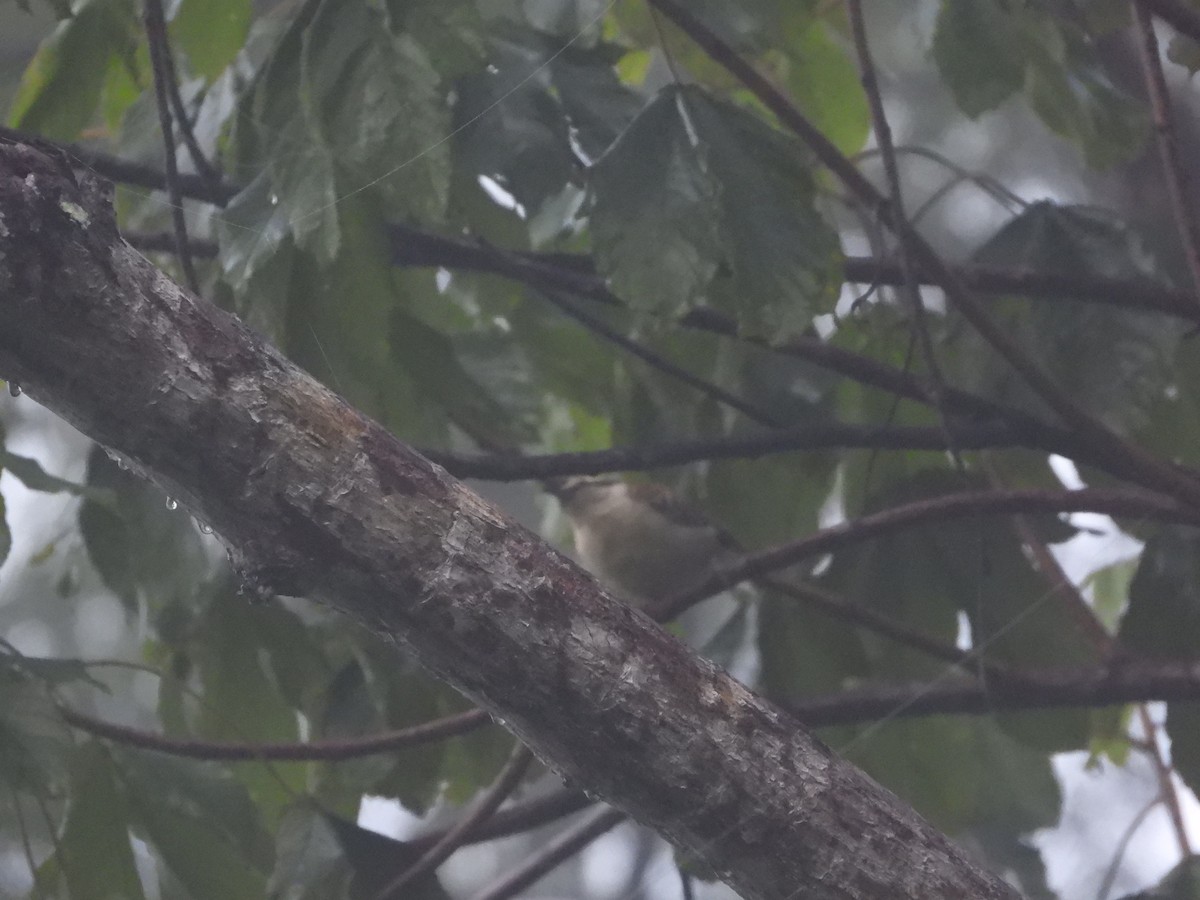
(313, 498)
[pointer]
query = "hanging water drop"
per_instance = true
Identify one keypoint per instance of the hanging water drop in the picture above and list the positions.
(205, 528)
(14, 389)
(172, 504)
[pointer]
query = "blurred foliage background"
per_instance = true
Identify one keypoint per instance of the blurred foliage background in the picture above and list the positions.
(509, 225)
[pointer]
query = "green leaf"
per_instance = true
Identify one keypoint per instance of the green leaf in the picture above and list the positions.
(981, 51)
(35, 743)
(139, 546)
(595, 101)
(61, 86)
(961, 773)
(696, 189)
(987, 50)
(241, 702)
(94, 849)
(31, 474)
(376, 100)
(509, 127)
(200, 821)
(287, 137)
(453, 35)
(211, 32)
(1114, 362)
(823, 79)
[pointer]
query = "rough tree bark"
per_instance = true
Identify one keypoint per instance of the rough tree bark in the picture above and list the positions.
(312, 498)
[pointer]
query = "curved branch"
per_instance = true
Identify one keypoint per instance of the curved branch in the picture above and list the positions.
(1095, 687)
(563, 847)
(460, 833)
(249, 751)
(967, 504)
(815, 436)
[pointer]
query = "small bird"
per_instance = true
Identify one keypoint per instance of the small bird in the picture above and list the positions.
(643, 542)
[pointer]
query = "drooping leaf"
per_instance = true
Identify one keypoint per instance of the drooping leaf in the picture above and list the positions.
(508, 126)
(31, 474)
(95, 856)
(200, 821)
(241, 702)
(700, 201)
(211, 32)
(960, 772)
(142, 547)
(824, 80)
(375, 101)
(61, 87)
(35, 743)
(988, 50)
(1114, 362)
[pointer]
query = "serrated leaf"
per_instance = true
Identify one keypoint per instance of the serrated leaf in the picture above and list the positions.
(288, 139)
(696, 188)
(1113, 362)
(378, 104)
(95, 854)
(61, 87)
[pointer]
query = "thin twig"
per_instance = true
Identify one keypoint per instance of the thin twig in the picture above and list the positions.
(555, 852)
(910, 287)
(1094, 687)
(156, 35)
(330, 751)
(1166, 784)
(1168, 147)
(506, 782)
(948, 507)
(863, 617)
(576, 272)
(1114, 865)
(203, 167)
(657, 361)
(517, 818)
(818, 436)
(127, 171)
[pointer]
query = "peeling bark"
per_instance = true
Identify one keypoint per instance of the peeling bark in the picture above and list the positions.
(313, 498)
